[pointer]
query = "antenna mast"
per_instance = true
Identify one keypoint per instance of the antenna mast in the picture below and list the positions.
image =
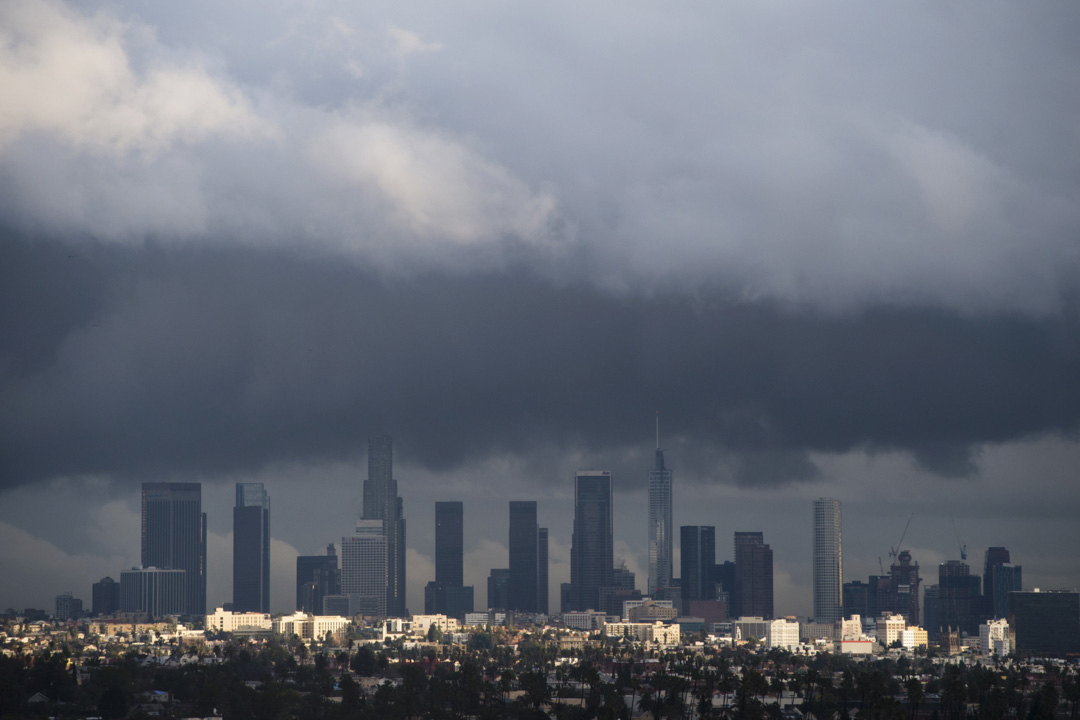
(657, 429)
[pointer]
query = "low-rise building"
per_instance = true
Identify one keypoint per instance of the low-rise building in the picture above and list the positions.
(783, 632)
(227, 621)
(311, 627)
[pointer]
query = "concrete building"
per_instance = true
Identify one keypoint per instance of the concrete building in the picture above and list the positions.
(782, 633)
(995, 638)
(68, 607)
(364, 573)
(311, 627)
(889, 628)
(251, 549)
(228, 621)
(584, 620)
(659, 633)
(828, 560)
(913, 637)
(423, 623)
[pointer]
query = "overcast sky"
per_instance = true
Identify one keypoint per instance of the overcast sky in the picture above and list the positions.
(837, 247)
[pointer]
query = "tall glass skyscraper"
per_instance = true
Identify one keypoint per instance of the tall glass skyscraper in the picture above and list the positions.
(446, 594)
(660, 527)
(592, 556)
(381, 502)
(698, 558)
(174, 537)
(251, 549)
(828, 561)
(753, 576)
(523, 590)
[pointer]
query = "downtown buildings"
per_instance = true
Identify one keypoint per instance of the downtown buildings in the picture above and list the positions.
(384, 505)
(447, 593)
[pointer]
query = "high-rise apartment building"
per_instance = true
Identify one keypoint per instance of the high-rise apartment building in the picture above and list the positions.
(446, 595)
(68, 607)
(317, 576)
(174, 537)
(753, 576)
(592, 554)
(251, 549)
(697, 550)
(660, 527)
(524, 546)
(364, 569)
(154, 592)
(381, 502)
(828, 561)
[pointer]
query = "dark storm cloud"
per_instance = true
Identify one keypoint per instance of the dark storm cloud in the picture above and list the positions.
(158, 362)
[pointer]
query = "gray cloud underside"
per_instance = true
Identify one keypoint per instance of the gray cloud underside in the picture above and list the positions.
(159, 362)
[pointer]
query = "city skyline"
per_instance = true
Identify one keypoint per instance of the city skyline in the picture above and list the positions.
(836, 247)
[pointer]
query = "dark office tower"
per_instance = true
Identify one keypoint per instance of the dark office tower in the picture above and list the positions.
(880, 600)
(724, 580)
(449, 543)
(316, 577)
(542, 589)
(174, 537)
(999, 579)
(251, 549)
(828, 561)
(381, 502)
(698, 556)
(753, 575)
(1045, 623)
(592, 553)
(904, 587)
(957, 589)
(106, 597)
(856, 599)
(661, 530)
(498, 587)
(524, 557)
(932, 613)
(446, 595)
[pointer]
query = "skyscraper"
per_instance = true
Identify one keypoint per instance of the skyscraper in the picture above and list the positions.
(660, 526)
(106, 596)
(381, 502)
(697, 560)
(542, 590)
(449, 543)
(174, 537)
(523, 590)
(999, 579)
(446, 595)
(828, 561)
(364, 569)
(904, 583)
(592, 556)
(753, 575)
(251, 549)
(316, 577)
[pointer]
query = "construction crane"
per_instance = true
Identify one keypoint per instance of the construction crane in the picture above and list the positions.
(894, 552)
(963, 547)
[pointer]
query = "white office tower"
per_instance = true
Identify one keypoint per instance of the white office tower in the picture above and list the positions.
(363, 569)
(660, 527)
(828, 561)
